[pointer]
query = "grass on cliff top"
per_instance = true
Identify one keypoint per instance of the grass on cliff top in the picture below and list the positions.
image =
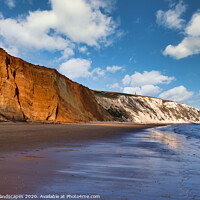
(111, 94)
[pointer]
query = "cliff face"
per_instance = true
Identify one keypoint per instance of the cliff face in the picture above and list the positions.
(32, 92)
(140, 109)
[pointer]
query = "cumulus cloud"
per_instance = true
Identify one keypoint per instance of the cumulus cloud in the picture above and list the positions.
(193, 28)
(68, 22)
(80, 68)
(172, 17)
(99, 71)
(82, 49)
(116, 86)
(102, 72)
(27, 34)
(146, 78)
(147, 90)
(66, 53)
(113, 69)
(82, 21)
(177, 94)
(11, 49)
(190, 44)
(145, 83)
(76, 68)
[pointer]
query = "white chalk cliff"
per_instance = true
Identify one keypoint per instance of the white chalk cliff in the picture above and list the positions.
(142, 109)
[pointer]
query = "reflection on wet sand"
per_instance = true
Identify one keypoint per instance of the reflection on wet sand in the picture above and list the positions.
(148, 165)
(171, 140)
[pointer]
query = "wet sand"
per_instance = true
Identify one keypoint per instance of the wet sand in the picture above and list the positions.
(115, 161)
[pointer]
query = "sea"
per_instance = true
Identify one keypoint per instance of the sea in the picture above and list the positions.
(190, 130)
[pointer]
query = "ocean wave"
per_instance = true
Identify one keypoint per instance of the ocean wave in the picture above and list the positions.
(189, 130)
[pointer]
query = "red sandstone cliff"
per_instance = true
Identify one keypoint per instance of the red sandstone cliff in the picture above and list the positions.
(32, 92)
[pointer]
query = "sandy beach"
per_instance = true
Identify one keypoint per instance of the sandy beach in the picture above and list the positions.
(114, 161)
(21, 136)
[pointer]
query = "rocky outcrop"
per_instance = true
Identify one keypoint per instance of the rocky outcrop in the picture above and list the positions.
(141, 109)
(32, 92)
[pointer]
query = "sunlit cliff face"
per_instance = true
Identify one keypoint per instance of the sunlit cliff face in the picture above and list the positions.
(32, 92)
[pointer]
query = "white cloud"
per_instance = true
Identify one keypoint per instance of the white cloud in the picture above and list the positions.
(190, 44)
(10, 3)
(177, 94)
(113, 69)
(99, 71)
(145, 83)
(193, 27)
(23, 34)
(76, 68)
(78, 21)
(11, 49)
(172, 18)
(195, 98)
(80, 68)
(126, 80)
(116, 86)
(82, 21)
(102, 72)
(82, 49)
(68, 52)
(146, 78)
(147, 90)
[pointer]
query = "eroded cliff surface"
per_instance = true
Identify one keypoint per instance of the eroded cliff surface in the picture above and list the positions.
(141, 109)
(32, 92)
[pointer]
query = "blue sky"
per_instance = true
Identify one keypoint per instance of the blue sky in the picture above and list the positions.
(147, 47)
